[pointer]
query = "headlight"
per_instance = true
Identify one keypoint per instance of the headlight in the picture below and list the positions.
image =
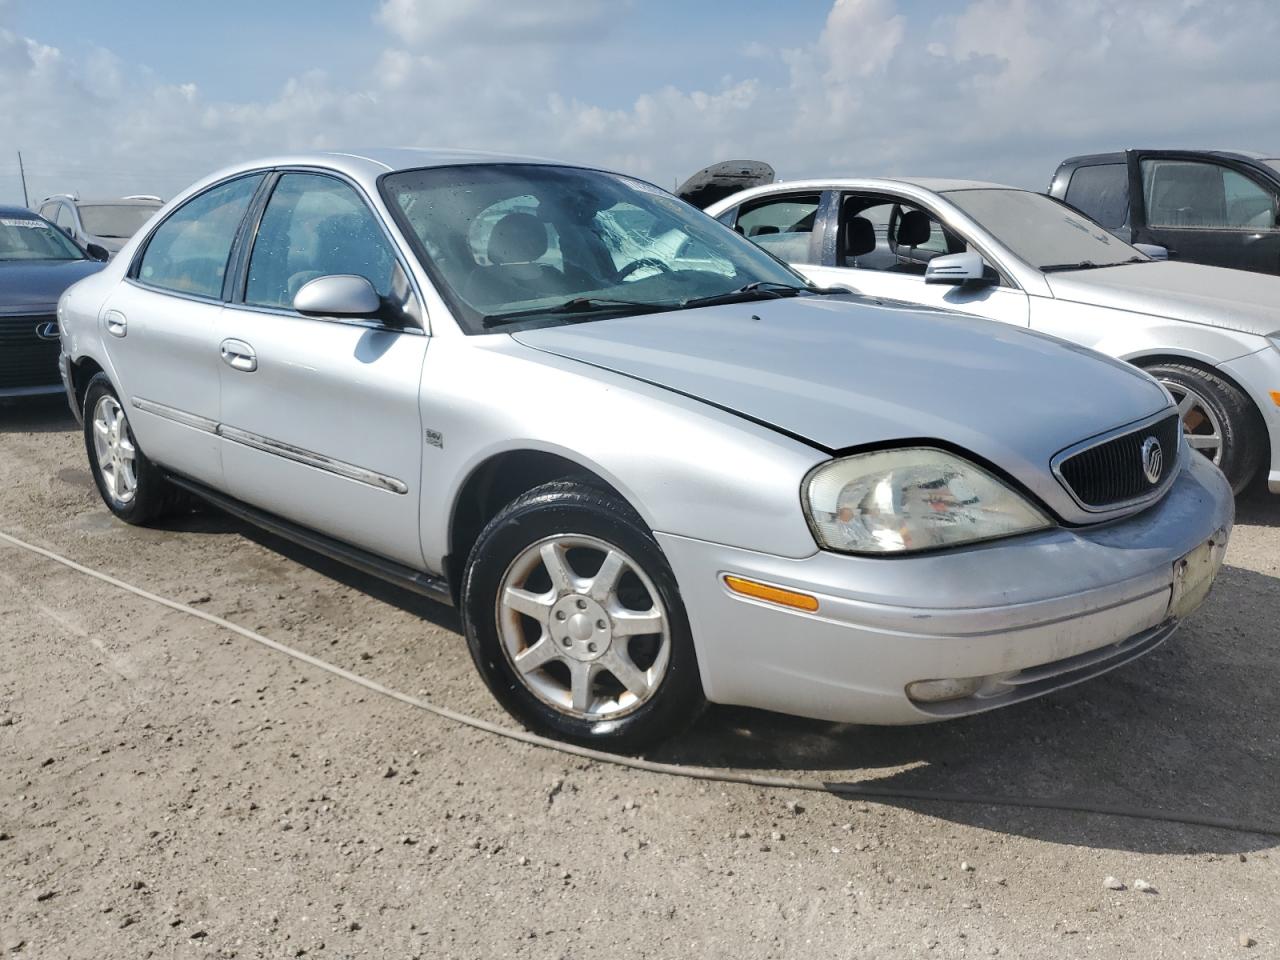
(915, 498)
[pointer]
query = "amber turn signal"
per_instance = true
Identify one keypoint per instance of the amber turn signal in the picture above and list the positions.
(762, 591)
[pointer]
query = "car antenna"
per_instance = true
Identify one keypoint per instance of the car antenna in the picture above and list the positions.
(22, 174)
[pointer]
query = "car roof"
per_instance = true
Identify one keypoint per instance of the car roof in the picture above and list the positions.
(931, 184)
(16, 211)
(1118, 156)
(120, 202)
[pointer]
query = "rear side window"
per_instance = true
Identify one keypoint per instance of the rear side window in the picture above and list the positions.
(1101, 192)
(782, 225)
(315, 226)
(188, 253)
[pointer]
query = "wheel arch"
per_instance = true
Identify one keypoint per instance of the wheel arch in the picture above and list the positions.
(82, 371)
(495, 482)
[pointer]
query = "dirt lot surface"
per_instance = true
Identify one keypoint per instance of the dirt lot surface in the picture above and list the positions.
(168, 789)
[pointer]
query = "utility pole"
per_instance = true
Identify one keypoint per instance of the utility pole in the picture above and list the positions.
(26, 201)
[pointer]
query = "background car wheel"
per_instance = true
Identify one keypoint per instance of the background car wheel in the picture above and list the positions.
(575, 622)
(1220, 422)
(130, 485)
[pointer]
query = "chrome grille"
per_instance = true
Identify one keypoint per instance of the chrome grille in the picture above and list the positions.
(25, 359)
(1111, 473)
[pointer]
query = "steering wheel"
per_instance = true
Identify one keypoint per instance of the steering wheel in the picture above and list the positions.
(635, 265)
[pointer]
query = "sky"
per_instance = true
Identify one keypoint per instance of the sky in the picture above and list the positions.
(109, 99)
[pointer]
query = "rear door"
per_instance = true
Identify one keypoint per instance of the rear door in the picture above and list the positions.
(320, 421)
(881, 248)
(160, 328)
(1206, 210)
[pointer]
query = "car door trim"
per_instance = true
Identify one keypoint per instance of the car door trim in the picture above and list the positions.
(286, 451)
(193, 420)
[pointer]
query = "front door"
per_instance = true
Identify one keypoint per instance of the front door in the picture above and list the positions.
(883, 246)
(1207, 211)
(160, 329)
(320, 421)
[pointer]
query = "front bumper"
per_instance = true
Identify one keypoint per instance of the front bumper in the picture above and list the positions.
(1259, 374)
(1032, 613)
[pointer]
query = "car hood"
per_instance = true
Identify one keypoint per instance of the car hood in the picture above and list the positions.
(843, 373)
(29, 284)
(1214, 296)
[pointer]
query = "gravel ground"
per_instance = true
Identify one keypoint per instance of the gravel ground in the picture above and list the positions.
(168, 789)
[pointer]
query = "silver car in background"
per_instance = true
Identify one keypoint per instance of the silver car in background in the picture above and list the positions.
(1211, 335)
(651, 473)
(107, 223)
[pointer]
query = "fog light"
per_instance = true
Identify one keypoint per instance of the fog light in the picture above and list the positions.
(935, 691)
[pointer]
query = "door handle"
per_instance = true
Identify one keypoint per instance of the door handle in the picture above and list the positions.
(239, 356)
(116, 323)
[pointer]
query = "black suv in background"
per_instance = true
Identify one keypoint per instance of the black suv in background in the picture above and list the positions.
(1202, 206)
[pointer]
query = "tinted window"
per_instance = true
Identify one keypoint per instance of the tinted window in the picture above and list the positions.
(1102, 192)
(782, 225)
(315, 226)
(30, 238)
(1183, 193)
(188, 252)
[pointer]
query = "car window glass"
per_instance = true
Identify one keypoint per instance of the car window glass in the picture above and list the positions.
(1101, 192)
(188, 252)
(120, 221)
(782, 225)
(1183, 193)
(315, 226)
(481, 231)
(64, 217)
(632, 235)
(29, 238)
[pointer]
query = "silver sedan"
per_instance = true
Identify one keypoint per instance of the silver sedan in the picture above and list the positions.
(650, 463)
(1209, 334)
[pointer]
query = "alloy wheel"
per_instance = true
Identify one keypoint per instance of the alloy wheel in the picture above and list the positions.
(1200, 424)
(583, 626)
(114, 447)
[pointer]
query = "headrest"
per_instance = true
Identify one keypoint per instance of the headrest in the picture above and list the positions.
(914, 228)
(859, 236)
(517, 238)
(763, 230)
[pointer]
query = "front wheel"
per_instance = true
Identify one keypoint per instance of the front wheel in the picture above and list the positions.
(1219, 421)
(575, 622)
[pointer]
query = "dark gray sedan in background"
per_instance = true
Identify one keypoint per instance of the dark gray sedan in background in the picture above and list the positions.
(37, 263)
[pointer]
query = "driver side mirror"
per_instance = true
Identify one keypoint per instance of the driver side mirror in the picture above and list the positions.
(966, 269)
(339, 295)
(98, 252)
(1152, 250)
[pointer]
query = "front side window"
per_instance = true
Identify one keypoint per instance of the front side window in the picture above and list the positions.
(1101, 192)
(1044, 233)
(120, 221)
(888, 235)
(1185, 193)
(188, 253)
(30, 238)
(315, 226)
(782, 225)
(535, 245)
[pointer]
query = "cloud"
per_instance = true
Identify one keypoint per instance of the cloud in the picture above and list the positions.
(482, 22)
(990, 89)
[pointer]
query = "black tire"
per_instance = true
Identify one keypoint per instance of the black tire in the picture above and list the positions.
(153, 496)
(567, 507)
(1244, 439)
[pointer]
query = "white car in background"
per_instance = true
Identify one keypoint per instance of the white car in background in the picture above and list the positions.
(1209, 334)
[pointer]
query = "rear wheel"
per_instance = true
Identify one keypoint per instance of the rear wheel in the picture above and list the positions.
(575, 622)
(131, 486)
(1219, 421)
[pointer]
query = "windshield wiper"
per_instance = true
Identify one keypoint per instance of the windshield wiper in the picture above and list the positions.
(576, 305)
(1089, 265)
(757, 290)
